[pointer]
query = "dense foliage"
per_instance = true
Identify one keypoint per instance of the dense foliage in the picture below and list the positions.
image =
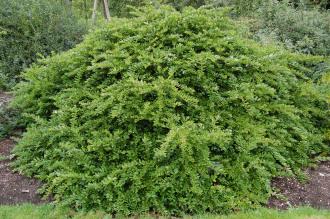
(246, 7)
(8, 121)
(180, 4)
(32, 27)
(300, 29)
(172, 113)
(298, 25)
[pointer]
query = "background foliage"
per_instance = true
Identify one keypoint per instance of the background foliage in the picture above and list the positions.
(300, 29)
(32, 27)
(8, 121)
(301, 26)
(172, 113)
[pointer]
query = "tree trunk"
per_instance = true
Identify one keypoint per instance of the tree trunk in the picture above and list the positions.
(86, 10)
(68, 2)
(106, 10)
(95, 10)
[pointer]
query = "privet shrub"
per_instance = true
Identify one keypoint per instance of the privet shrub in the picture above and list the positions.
(169, 112)
(32, 27)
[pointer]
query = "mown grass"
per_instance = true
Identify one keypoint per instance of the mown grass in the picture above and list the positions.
(29, 211)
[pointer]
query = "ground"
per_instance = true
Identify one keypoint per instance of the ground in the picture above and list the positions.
(16, 189)
(315, 192)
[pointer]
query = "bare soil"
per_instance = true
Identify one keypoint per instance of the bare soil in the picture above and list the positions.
(315, 192)
(14, 187)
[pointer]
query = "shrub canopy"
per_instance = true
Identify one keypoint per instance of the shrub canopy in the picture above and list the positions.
(170, 112)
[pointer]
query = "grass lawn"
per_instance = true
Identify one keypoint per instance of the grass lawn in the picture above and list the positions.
(48, 212)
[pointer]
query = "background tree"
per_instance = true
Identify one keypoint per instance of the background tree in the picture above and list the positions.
(106, 11)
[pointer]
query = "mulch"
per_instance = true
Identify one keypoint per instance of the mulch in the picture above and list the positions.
(315, 192)
(16, 188)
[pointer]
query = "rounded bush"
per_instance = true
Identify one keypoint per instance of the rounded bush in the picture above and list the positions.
(169, 112)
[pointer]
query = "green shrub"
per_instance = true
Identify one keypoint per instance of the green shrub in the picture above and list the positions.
(32, 27)
(172, 113)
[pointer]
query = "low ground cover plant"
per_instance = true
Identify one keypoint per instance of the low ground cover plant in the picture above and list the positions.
(170, 112)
